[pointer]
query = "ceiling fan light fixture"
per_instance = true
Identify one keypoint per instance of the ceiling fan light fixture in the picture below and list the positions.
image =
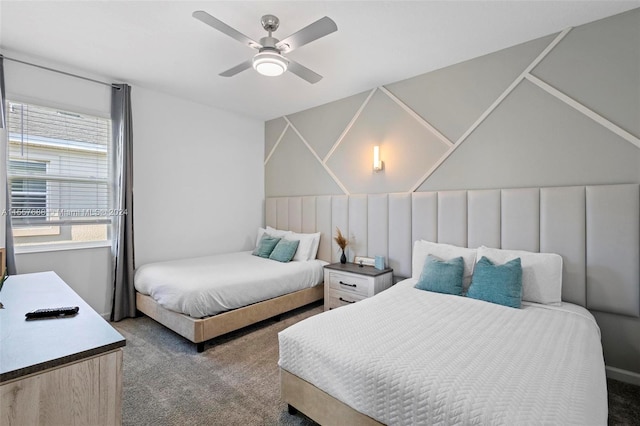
(270, 64)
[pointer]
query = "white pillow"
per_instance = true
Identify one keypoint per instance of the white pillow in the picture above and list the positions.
(270, 231)
(541, 273)
(261, 232)
(278, 233)
(316, 244)
(307, 246)
(422, 248)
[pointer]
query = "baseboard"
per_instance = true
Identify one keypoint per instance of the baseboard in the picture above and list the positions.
(623, 375)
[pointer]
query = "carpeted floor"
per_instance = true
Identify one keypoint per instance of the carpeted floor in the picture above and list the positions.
(236, 380)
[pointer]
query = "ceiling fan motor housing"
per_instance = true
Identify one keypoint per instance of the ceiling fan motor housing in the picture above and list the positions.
(269, 43)
(270, 23)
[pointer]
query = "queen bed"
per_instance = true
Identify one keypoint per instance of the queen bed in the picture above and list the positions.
(205, 297)
(411, 356)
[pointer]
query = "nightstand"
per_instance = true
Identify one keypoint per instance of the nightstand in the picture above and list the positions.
(348, 283)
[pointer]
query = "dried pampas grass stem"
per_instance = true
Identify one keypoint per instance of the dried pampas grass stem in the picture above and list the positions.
(340, 239)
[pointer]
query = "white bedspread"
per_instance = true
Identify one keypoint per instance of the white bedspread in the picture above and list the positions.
(205, 286)
(408, 356)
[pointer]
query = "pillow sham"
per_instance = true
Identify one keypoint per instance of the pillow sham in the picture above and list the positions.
(500, 284)
(442, 276)
(261, 232)
(541, 273)
(270, 231)
(284, 250)
(423, 248)
(308, 247)
(280, 233)
(265, 246)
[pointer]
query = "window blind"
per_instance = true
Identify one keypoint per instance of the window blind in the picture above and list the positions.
(58, 166)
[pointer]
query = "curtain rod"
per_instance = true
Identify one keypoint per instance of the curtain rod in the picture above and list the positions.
(61, 72)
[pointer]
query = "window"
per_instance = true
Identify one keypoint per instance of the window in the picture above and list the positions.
(28, 196)
(59, 175)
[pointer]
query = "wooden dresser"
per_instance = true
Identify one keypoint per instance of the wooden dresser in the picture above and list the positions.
(61, 370)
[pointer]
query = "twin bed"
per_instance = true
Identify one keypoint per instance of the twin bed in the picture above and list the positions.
(410, 356)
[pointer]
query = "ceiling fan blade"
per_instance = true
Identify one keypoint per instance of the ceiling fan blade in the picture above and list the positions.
(311, 32)
(222, 27)
(304, 72)
(238, 68)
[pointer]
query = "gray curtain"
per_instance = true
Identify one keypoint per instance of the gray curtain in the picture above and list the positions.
(8, 244)
(124, 299)
(3, 115)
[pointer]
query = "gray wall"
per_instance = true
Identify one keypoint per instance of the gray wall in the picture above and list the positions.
(556, 111)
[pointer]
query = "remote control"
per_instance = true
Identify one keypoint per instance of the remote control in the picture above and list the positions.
(52, 312)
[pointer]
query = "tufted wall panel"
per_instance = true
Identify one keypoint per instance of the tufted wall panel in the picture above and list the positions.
(601, 261)
(562, 230)
(400, 243)
(424, 216)
(484, 218)
(612, 249)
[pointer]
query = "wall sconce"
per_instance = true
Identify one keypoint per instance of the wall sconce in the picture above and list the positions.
(377, 163)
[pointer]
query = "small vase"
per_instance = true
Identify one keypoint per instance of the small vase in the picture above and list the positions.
(343, 258)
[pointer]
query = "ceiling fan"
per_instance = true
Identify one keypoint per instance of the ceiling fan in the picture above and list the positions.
(269, 59)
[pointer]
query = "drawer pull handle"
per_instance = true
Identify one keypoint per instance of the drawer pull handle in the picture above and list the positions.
(348, 285)
(347, 301)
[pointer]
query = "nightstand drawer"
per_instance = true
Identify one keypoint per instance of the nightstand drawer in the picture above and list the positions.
(350, 283)
(341, 298)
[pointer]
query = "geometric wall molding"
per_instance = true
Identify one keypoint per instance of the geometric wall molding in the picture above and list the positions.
(345, 157)
(281, 172)
(453, 97)
(350, 124)
(598, 65)
(334, 117)
(323, 163)
(534, 139)
(273, 131)
(583, 109)
(492, 107)
(416, 116)
(407, 145)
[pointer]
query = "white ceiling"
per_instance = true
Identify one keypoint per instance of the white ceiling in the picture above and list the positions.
(158, 45)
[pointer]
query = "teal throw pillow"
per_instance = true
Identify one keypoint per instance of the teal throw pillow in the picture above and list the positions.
(284, 250)
(442, 276)
(265, 246)
(501, 284)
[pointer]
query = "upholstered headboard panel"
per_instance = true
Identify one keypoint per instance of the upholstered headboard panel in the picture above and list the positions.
(596, 229)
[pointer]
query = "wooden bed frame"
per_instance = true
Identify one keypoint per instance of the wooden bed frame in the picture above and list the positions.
(317, 404)
(200, 330)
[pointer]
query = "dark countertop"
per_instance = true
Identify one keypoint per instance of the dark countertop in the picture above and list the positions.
(28, 347)
(357, 269)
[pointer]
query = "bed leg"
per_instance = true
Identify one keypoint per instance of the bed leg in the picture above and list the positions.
(292, 410)
(200, 347)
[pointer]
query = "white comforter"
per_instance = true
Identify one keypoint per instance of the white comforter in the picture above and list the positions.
(408, 356)
(205, 286)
